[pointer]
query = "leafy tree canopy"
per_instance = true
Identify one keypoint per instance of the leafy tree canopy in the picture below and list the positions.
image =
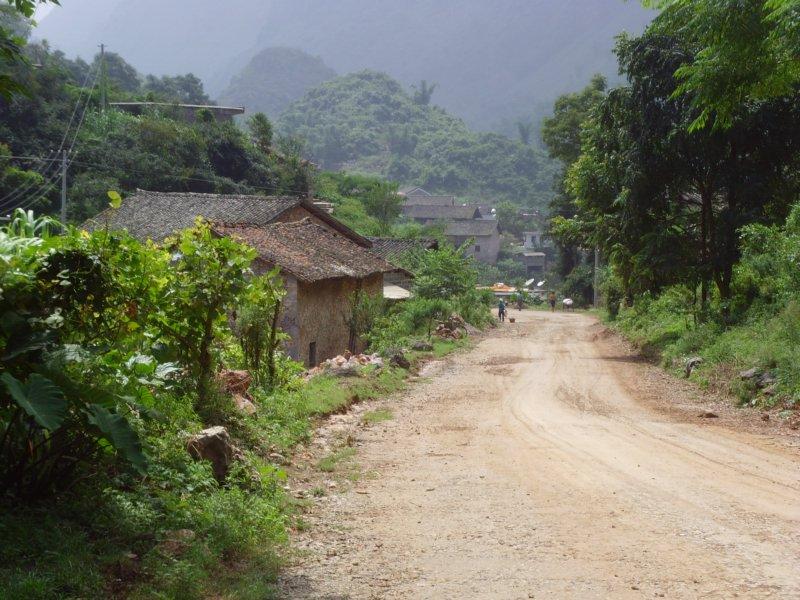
(745, 50)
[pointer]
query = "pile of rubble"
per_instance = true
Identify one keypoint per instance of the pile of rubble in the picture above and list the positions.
(237, 384)
(346, 365)
(453, 328)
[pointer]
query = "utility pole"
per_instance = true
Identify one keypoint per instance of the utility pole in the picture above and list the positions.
(596, 274)
(102, 77)
(64, 188)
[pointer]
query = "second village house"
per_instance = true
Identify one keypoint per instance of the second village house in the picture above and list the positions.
(322, 262)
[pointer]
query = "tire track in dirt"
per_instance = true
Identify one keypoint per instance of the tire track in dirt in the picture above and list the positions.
(550, 462)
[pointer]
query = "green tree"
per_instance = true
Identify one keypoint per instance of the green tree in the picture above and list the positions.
(746, 50)
(664, 203)
(509, 219)
(424, 93)
(255, 326)
(261, 132)
(118, 72)
(186, 89)
(525, 131)
(383, 203)
(445, 273)
(561, 134)
(209, 274)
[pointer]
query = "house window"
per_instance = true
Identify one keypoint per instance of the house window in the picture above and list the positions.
(477, 249)
(312, 354)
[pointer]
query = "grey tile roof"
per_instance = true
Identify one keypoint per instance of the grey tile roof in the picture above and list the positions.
(477, 228)
(430, 201)
(435, 213)
(392, 249)
(157, 215)
(307, 251)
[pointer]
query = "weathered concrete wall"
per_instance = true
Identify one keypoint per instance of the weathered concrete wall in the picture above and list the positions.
(485, 248)
(322, 312)
(318, 312)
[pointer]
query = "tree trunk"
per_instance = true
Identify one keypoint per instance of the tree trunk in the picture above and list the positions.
(205, 365)
(273, 336)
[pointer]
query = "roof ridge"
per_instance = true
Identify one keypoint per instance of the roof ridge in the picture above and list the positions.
(214, 195)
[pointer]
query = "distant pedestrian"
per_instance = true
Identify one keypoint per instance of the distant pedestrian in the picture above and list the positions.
(568, 304)
(501, 310)
(551, 298)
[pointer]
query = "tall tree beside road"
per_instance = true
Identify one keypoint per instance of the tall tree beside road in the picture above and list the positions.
(561, 134)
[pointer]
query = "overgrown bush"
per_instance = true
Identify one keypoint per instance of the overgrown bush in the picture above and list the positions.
(255, 325)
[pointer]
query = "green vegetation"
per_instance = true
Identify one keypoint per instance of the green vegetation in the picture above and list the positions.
(14, 27)
(106, 368)
(330, 462)
(698, 225)
(561, 134)
(111, 350)
(748, 52)
(158, 150)
(377, 416)
(368, 123)
(444, 285)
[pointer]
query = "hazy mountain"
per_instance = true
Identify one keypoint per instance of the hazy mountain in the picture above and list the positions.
(274, 78)
(494, 60)
(367, 122)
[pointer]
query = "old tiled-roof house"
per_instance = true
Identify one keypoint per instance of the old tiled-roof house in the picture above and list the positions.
(430, 200)
(321, 269)
(322, 261)
(485, 236)
(535, 263)
(429, 214)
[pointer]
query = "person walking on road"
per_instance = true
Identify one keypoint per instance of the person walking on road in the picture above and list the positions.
(501, 310)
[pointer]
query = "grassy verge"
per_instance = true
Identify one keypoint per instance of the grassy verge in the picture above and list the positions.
(768, 342)
(178, 533)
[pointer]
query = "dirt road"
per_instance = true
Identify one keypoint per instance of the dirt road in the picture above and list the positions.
(549, 463)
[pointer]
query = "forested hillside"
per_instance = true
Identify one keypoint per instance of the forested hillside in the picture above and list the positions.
(273, 79)
(367, 122)
(114, 150)
(495, 61)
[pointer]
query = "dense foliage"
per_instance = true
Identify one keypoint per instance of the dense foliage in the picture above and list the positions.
(158, 150)
(748, 50)
(14, 26)
(367, 122)
(444, 285)
(561, 134)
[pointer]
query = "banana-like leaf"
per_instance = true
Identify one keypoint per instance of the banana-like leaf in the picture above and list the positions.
(40, 398)
(119, 432)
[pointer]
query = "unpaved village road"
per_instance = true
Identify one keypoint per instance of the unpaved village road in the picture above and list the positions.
(549, 463)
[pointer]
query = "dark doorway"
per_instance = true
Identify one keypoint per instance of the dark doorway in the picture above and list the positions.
(312, 354)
